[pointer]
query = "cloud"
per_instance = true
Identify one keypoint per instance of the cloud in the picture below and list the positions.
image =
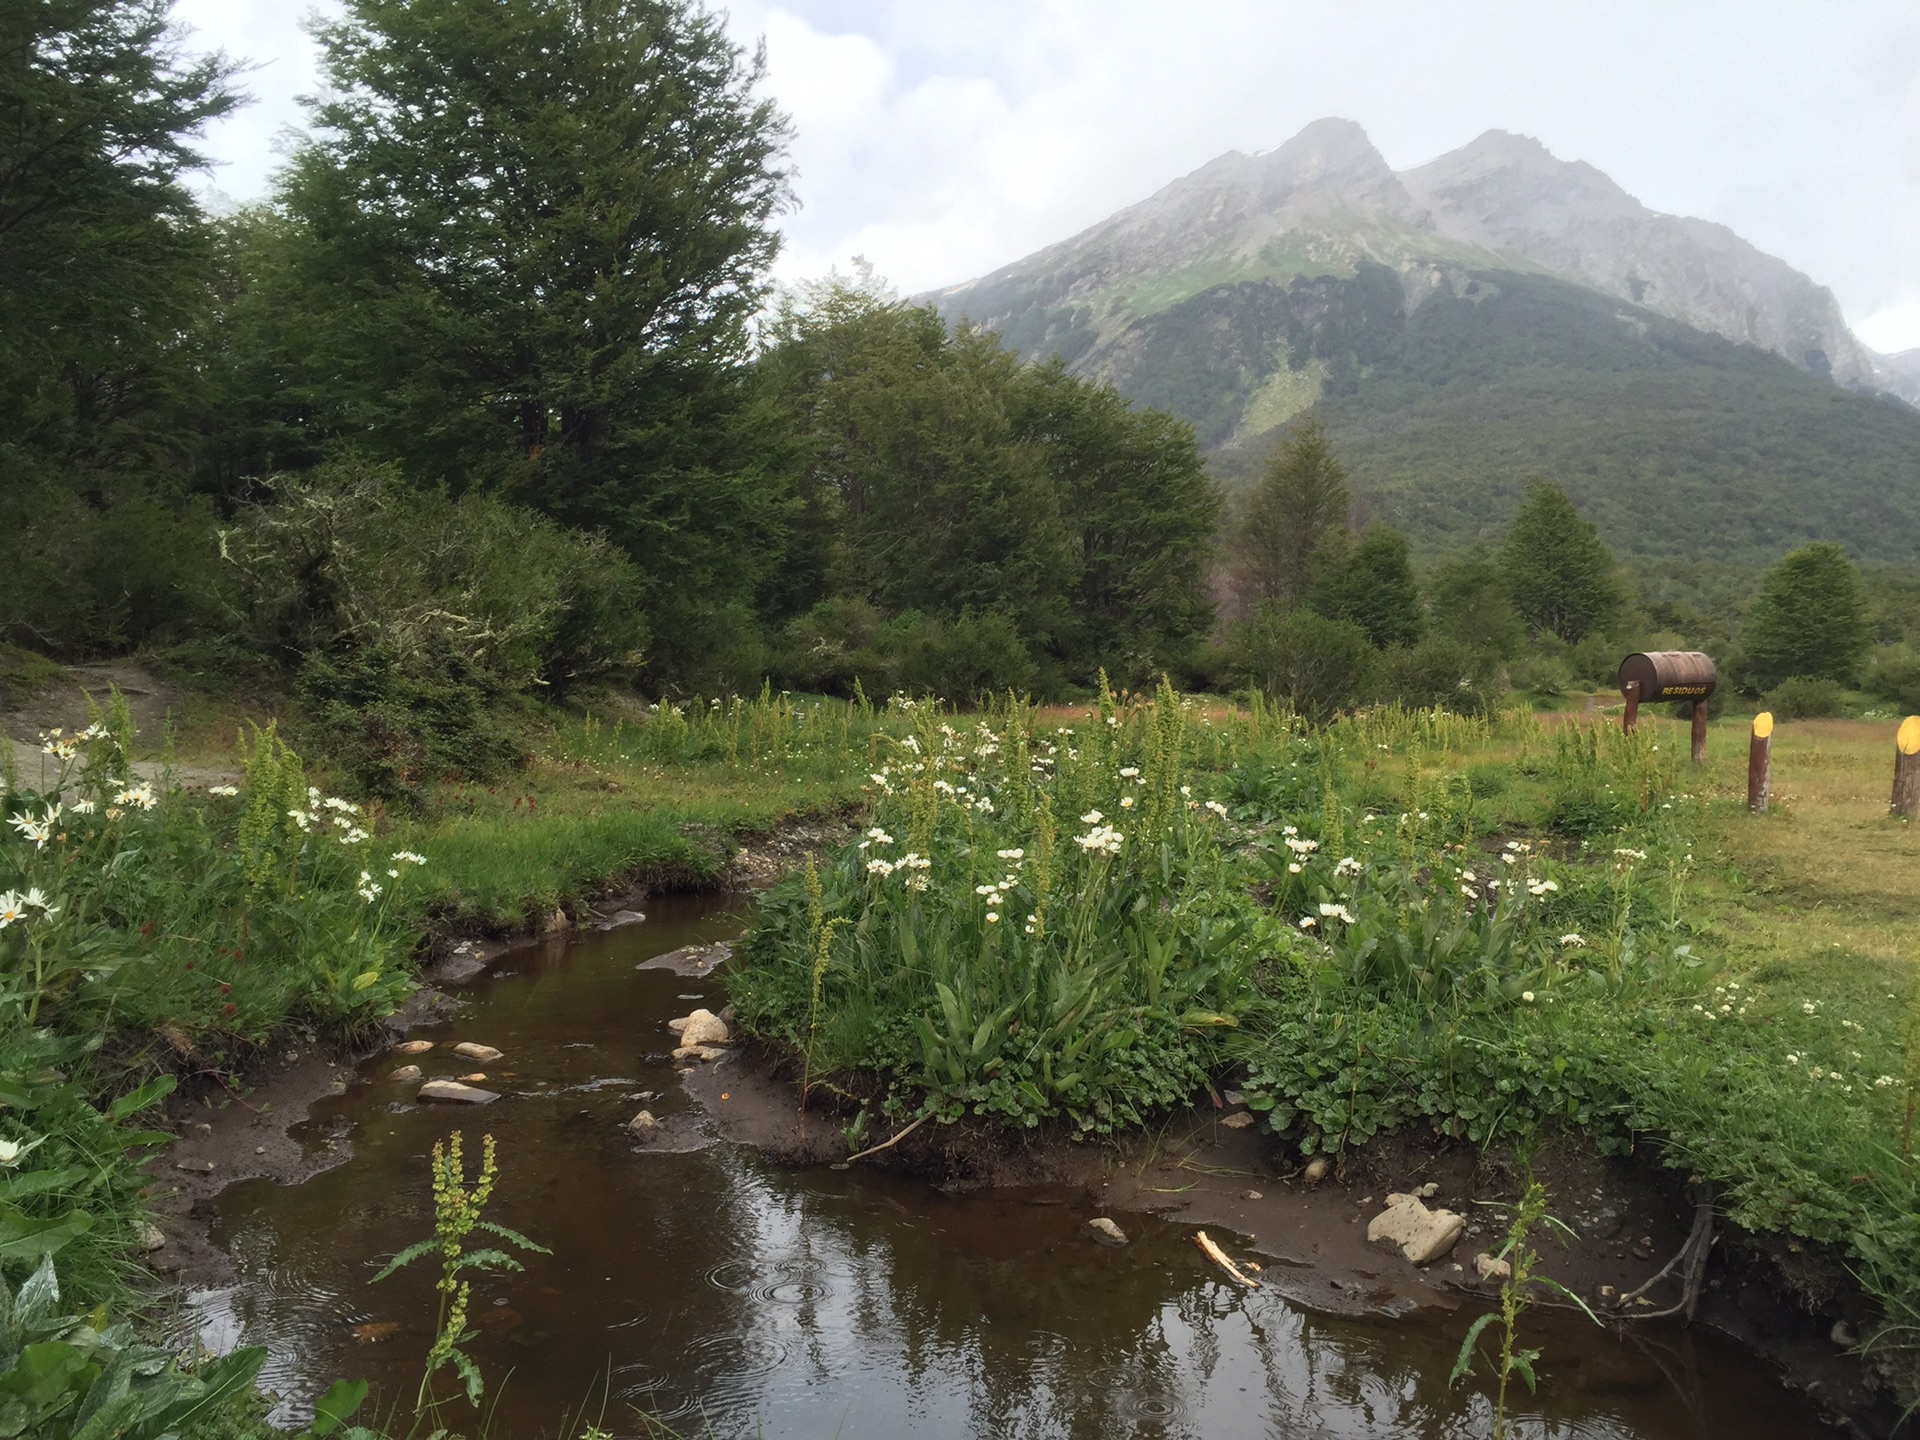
(944, 140)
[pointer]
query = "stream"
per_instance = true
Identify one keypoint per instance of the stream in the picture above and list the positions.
(717, 1294)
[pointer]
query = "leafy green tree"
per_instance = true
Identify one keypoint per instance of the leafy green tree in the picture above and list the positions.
(1140, 515)
(103, 253)
(1374, 587)
(1559, 571)
(1295, 516)
(1810, 619)
(1468, 601)
(525, 241)
(920, 493)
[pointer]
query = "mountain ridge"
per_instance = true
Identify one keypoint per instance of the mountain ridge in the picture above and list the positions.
(1326, 199)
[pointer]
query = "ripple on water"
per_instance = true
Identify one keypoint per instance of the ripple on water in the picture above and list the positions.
(717, 1374)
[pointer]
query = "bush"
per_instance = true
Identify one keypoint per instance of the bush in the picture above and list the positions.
(1314, 666)
(410, 616)
(1806, 698)
(964, 659)
(1895, 676)
(1444, 673)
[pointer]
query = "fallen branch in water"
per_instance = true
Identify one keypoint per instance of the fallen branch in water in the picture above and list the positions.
(1219, 1257)
(1692, 1262)
(889, 1144)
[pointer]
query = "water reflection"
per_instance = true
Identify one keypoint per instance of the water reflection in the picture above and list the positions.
(718, 1293)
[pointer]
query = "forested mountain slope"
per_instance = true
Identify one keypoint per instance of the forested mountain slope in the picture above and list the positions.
(1495, 314)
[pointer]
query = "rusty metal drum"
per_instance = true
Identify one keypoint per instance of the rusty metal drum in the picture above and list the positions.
(1669, 675)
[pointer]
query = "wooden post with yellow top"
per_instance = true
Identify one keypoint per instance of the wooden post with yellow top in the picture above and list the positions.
(1906, 770)
(1760, 763)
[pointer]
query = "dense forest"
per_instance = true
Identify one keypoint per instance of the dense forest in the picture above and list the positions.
(493, 399)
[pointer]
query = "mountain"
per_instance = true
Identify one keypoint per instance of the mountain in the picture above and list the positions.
(1494, 314)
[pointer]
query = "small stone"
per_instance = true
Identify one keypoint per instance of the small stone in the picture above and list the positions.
(338, 1087)
(1423, 1235)
(1607, 1292)
(406, 1074)
(643, 1123)
(556, 922)
(703, 1027)
(1251, 1195)
(292, 1056)
(151, 1238)
(413, 1047)
(1106, 1232)
(1489, 1268)
(1842, 1335)
(1317, 1169)
(203, 1127)
(1238, 1121)
(1428, 1190)
(1233, 1097)
(259, 1149)
(453, 1090)
(698, 1052)
(471, 1050)
(473, 1079)
(194, 1167)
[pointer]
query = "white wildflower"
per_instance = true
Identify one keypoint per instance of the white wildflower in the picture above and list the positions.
(1571, 941)
(227, 790)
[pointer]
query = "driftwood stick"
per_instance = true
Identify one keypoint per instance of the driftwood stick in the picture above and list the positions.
(1219, 1257)
(889, 1144)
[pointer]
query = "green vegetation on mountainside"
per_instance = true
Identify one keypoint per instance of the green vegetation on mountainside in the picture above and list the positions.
(1679, 444)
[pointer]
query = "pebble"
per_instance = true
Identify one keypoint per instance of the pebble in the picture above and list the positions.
(1842, 1335)
(1317, 1169)
(1252, 1195)
(473, 1079)
(643, 1123)
(1428, 1190)
(405, 1074)
(698, 1052)
(1489, 1268)
(1106, 1232)
(453, 1090)
(195, 1167)
(1240, 1121)
(413, 1047)
(471, 1050)
(151, 1238)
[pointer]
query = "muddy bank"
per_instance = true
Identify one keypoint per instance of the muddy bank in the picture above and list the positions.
(1210, 1167)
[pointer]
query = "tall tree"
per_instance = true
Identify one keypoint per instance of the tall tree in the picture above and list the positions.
(1809, 619)
(1559, 571)
(1373, 586)
(1296, 513)
(527, 239)
(1140, 514)
(103, 253)
(1470, 602)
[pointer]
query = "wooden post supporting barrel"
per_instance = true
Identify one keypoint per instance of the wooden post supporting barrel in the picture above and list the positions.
(1670, 675)
(1760, 763)
(1906, 770)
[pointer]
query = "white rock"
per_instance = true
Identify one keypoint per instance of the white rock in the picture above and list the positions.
(453, 1090)
(485, 1054)
(703, 1027)
(1428, 1190)
(1106, 1232)
(150, 1238)
(698, 1052)
(405, 1074)
(1423, 1235)
(1488, 1268)
(643, 1123)
(413, 1047)
(1238, 1121)
(1317, 1169)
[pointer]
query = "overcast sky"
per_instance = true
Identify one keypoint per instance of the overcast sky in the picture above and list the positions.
(943, 138)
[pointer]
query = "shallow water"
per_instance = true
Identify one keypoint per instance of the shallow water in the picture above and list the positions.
(722, 1294)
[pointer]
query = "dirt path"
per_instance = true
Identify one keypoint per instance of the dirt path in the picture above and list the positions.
(24, 718)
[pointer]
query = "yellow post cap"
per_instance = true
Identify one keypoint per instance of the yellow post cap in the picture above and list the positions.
(1909, 737)
(1763, 725)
